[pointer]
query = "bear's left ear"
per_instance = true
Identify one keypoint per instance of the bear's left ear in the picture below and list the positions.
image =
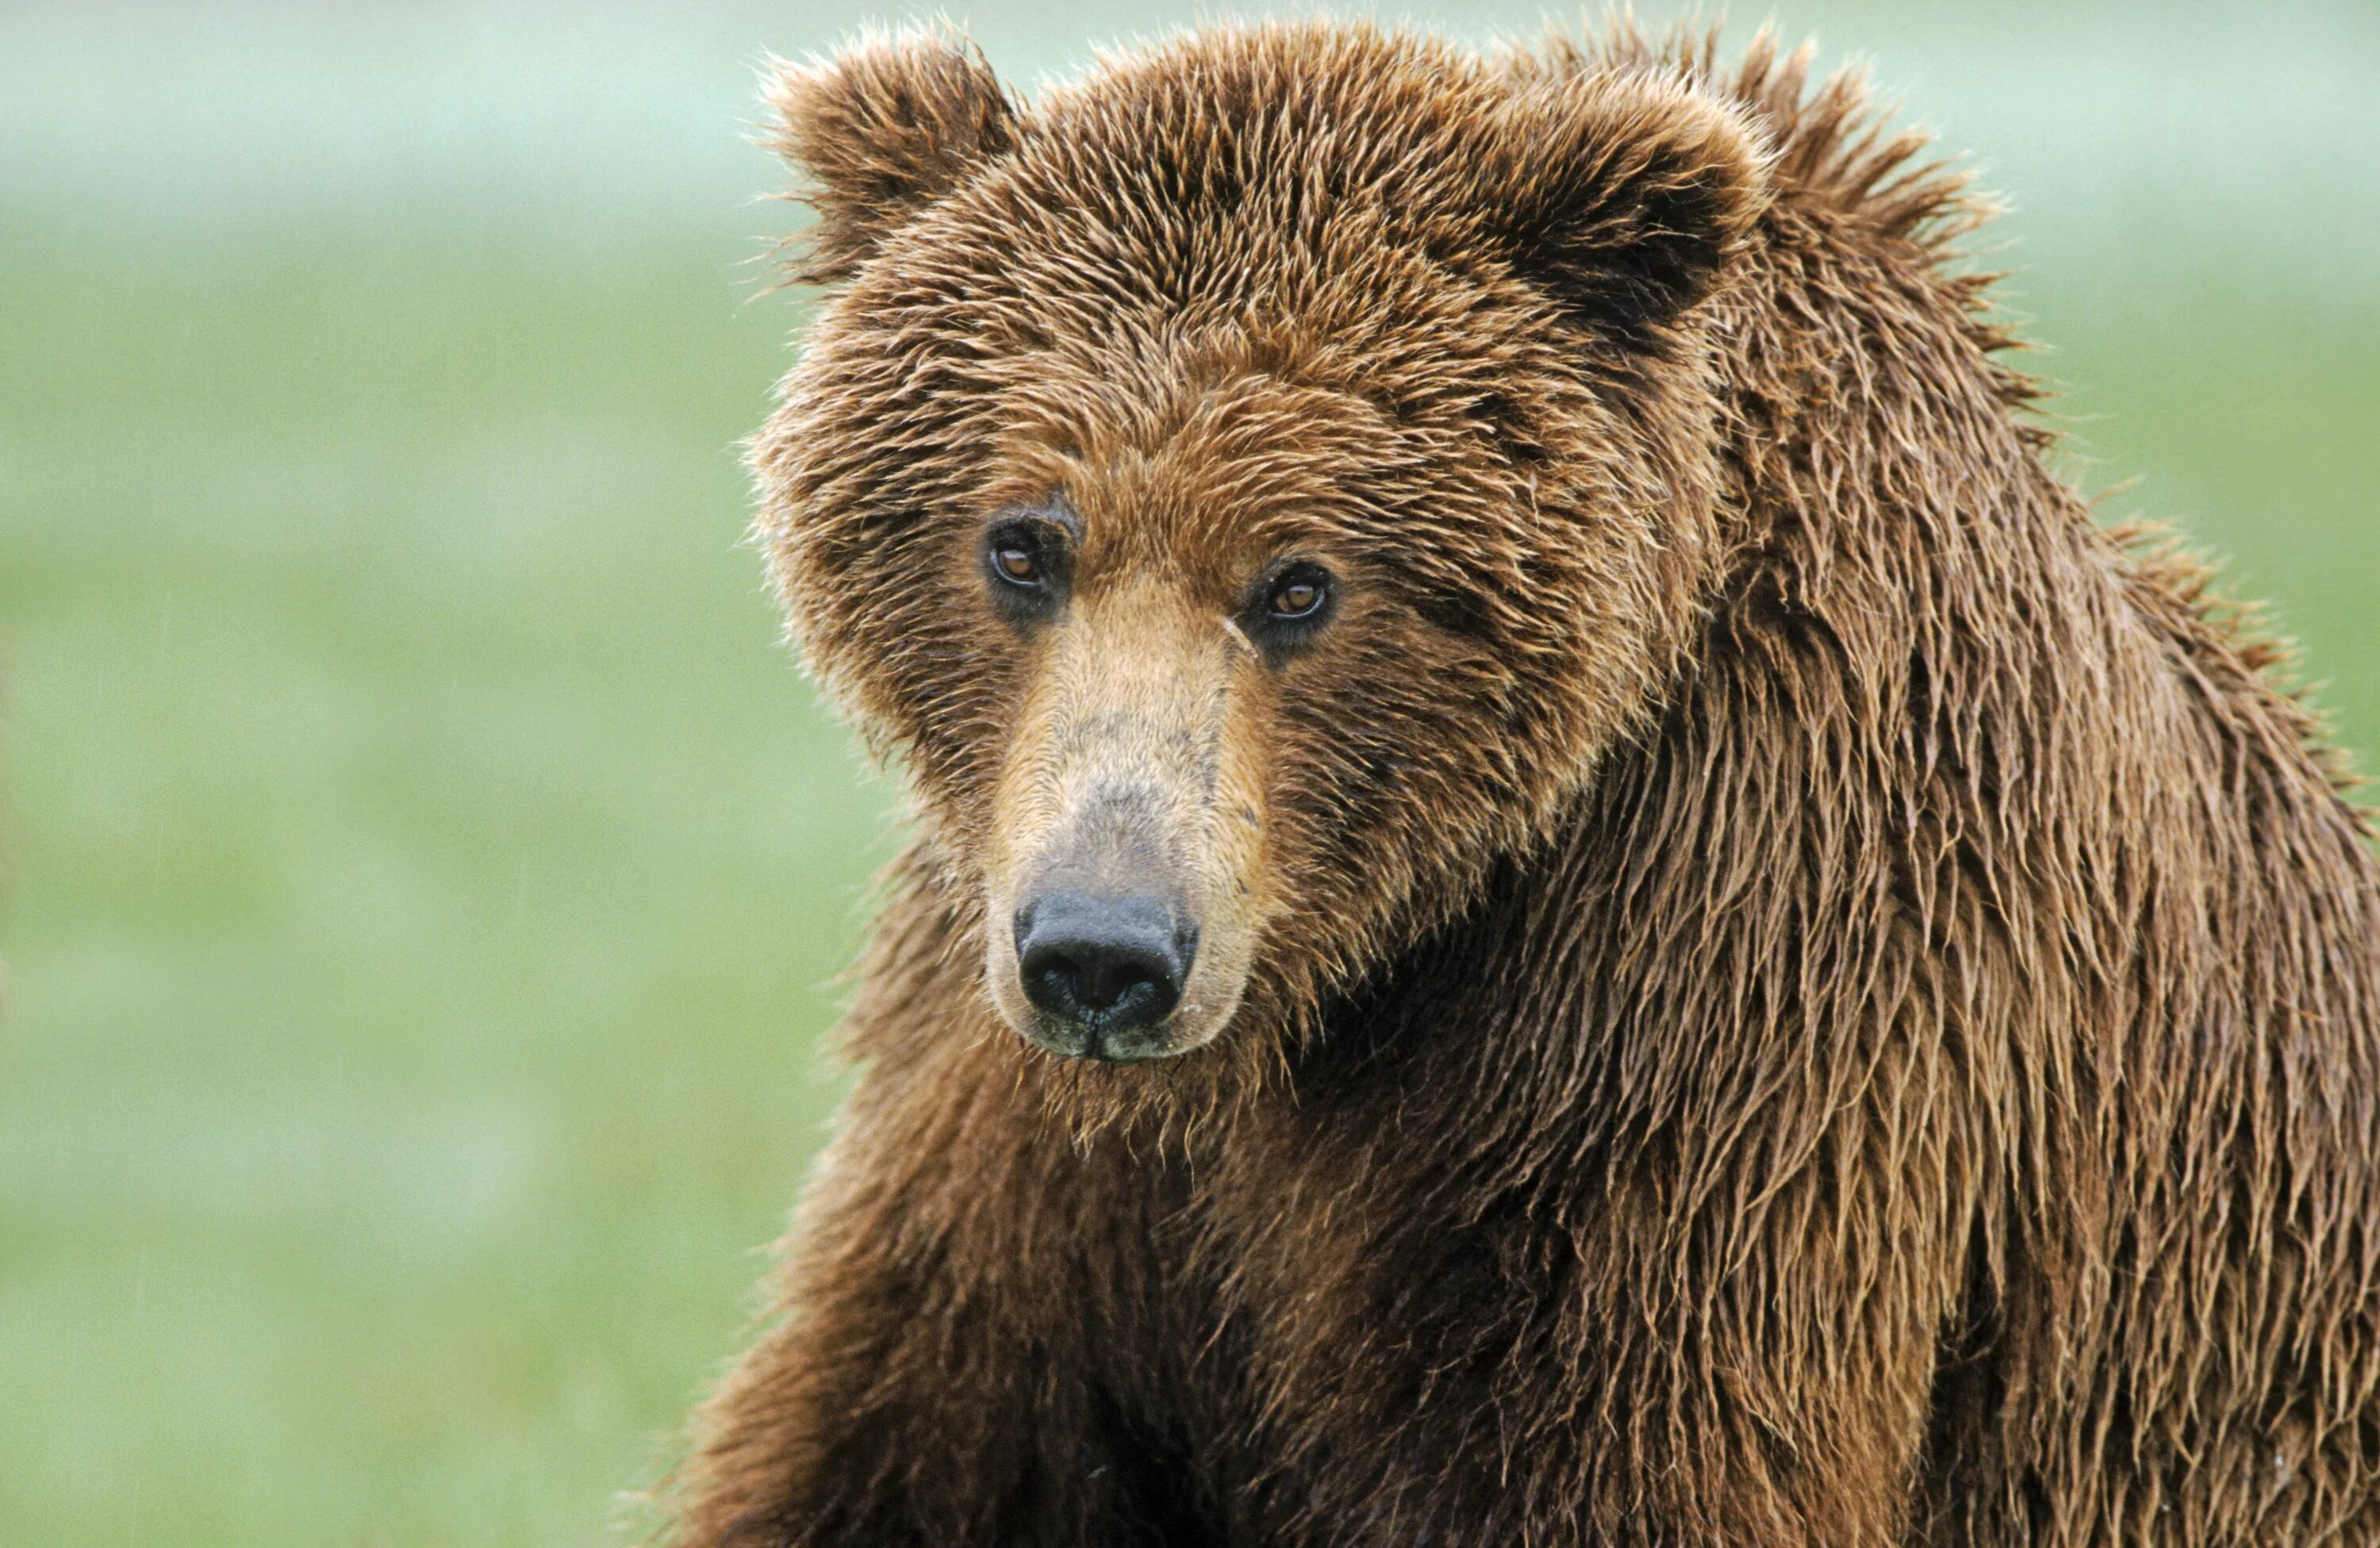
(1625, 196)
(877, 132)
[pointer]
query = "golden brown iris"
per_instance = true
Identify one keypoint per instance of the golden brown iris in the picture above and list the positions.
(1295, 598)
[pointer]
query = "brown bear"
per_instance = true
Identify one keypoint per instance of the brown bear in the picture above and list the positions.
(1626, 924)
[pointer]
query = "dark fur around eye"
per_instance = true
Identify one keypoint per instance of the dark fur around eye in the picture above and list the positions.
(1288, 607)
(1026, 564)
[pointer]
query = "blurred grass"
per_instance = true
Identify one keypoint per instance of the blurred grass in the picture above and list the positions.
(427, 873)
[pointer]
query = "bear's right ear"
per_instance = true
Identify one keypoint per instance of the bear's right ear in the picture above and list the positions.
(1625, 196)
(877, 132)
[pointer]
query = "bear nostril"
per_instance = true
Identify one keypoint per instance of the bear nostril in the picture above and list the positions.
(1101, 979)
(1107, 963)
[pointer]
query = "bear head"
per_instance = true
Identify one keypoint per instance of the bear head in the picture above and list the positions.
(1250, 489)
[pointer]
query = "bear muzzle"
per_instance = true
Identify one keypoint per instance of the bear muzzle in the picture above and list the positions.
(1123, 861)
(1111, 949)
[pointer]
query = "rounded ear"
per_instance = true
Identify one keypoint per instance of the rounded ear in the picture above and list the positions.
(1625, 196)
(877, 132)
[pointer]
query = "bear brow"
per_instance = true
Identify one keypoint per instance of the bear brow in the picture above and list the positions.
(1060, 512)
(1052, 508)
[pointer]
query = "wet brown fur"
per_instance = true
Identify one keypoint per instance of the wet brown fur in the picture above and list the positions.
(1805, 993)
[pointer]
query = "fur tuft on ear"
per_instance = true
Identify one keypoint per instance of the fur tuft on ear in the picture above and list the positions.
(1625, 196)
(876, 132)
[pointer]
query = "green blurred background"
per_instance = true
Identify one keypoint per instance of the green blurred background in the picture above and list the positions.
(428, 874)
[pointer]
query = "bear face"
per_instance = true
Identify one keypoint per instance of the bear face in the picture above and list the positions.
(1243, 530)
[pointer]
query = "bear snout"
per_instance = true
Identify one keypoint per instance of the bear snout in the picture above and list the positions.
(1123, 862)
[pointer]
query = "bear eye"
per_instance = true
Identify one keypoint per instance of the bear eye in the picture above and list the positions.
(1296, 598)
(1025, 564)
(1285, 610)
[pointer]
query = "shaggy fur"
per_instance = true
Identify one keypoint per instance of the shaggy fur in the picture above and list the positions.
(1802, 991)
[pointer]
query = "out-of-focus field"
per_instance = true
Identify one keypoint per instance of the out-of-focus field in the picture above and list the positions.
(427, 873)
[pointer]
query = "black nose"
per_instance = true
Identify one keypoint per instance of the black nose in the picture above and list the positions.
(1107, 964)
